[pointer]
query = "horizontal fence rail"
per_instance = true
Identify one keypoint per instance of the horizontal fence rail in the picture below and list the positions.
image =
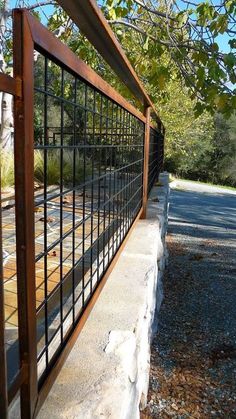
(85, 161)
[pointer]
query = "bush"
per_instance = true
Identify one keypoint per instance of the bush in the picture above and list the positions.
(54, 168)
(7, 168)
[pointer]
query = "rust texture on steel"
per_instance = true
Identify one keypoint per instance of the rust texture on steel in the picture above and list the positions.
(3, 372)
(32, 34)
(50, 44)
(24, 199)
(28, 33)
(90, 19)
(10, 85)
(146, 161)
(13, 87)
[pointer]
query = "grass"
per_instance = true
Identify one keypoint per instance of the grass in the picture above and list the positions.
(7, 169)
(53, 168)
(231, 188)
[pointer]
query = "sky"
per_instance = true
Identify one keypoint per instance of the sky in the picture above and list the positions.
(44, 11)
(222, 41)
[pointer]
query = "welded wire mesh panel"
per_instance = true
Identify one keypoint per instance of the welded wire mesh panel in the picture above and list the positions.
(155, 157)
(88, 191)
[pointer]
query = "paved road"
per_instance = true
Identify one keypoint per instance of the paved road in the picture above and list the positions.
(193, 368)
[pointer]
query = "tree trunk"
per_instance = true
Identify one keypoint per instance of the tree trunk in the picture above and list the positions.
(6, 105)
(6, 134)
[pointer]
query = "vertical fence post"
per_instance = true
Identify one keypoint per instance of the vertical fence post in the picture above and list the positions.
(146, 161)
(3, 367)
(24, 195)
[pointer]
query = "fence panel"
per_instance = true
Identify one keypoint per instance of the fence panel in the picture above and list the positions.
(155, 163)
(89, 170)
(81, 184)
(80, 171)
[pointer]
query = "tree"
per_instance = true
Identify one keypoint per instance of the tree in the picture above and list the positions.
(6, 116)
(6, 105)
(189, 32)
(222, 166)
(190, 139)
(191, 133)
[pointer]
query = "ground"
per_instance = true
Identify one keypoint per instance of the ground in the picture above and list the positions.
(193, 361)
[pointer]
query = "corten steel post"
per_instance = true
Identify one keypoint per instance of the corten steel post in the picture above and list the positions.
(146, 161)
(12, 86)
(24, 184)
(3, 368)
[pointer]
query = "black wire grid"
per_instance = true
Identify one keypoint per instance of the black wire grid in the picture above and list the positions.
(156, 143)
(89, 163)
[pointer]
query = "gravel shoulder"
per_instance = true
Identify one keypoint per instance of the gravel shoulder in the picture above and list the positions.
(189, 185)
(193, 361)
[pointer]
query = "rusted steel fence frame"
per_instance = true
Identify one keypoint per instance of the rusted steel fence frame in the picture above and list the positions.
(12, 86)
(46, 41)
(28, 33)
(88, 16)
(24, 201)
(3, 366)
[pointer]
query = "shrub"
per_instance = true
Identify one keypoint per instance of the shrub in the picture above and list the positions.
(7, 168)
(54, 168)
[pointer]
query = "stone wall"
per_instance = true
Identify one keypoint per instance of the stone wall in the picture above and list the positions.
(107, 372)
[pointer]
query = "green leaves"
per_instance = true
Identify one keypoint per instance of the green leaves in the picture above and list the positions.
(205, 12)
(163, 50)
(117, 9)
(221, 101)
(230, 6)
(200, 76)
(222, 23)
(230, 60)
(214, 47)
(232, 43)
(145, 45)
(160, 75)
(198, 109)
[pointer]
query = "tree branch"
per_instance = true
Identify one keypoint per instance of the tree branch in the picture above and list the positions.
(41, 4)
(155, 12)
(143, 32)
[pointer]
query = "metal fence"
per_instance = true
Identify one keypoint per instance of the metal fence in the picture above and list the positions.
(156, 154)
(85, 161)
(91, 176)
